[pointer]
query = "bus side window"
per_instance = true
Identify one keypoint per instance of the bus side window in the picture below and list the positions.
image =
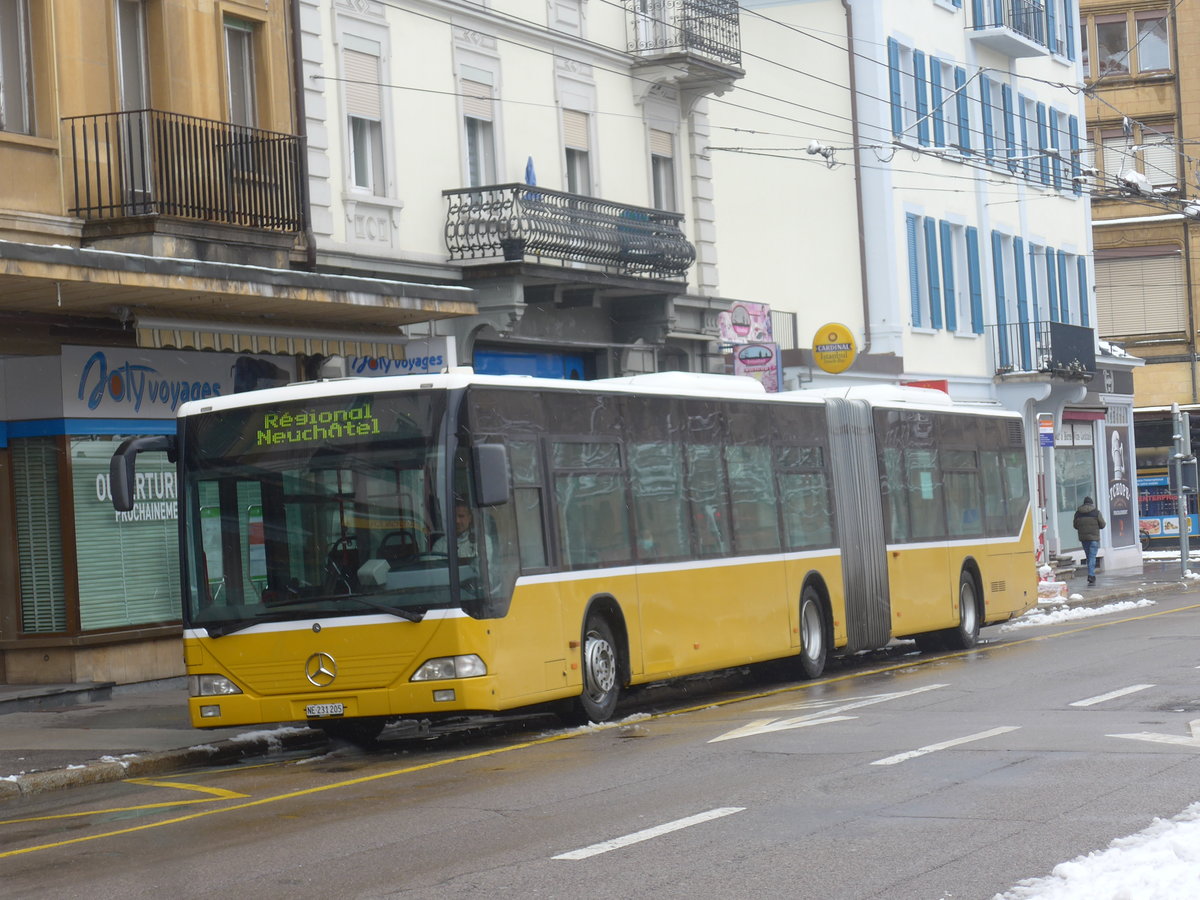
(528, 491)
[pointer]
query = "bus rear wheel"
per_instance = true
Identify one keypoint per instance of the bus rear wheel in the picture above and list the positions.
(601, 674)
(813, 649)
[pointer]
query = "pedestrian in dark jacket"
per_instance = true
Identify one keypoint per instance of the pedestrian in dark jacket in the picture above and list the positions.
(1088, 522)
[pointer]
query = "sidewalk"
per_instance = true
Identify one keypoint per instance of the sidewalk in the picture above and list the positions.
(56, 736)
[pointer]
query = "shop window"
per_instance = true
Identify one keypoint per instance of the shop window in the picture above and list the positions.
(128, 563)
(39, 535)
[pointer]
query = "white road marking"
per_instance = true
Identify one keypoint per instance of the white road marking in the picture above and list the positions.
(823, 717)
(1112, 695)
(944, 745)
(1177, 739)
(647, 834)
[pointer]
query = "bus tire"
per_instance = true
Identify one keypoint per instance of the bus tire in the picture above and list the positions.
(813, 646)
(601, 666)
(966, 635)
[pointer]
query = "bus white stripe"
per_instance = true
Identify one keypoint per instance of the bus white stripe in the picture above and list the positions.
(647, 834)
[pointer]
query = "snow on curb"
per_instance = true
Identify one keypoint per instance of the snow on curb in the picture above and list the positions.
(141, 765)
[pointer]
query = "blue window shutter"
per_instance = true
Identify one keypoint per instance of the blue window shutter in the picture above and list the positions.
(931, 274)
(1043, 160)
(893, 50)
(1052, 26)
(997, 12)
(964, 109)
(998, 277)
(1024, 133)
(914, 273)
(1033, 284)
(1010, 138)
(1068, 11)
(1052, 284)
(1076, 169)
(1003, 352)
(936, 99)
(985, 102)
(1055, 162)
(977, 14)
(922, 94)
(1064, 299)
(948, 291)
(1084, 293)
(975, 279)
(1022, 304)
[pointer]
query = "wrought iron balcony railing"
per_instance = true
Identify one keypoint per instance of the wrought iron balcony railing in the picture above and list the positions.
(148, 162)
(1049, 348)
(519, 221)
(1026, 18)
(707, 28)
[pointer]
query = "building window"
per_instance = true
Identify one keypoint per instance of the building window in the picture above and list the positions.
(1145, 150)
(577, 145)
(16, 68)
(662, 169)
(1141, 290)
(1129, 43)
(363, 70)
(479, 133)
(132, 55)
(37, 514)
(239, 72)
(1152, 48)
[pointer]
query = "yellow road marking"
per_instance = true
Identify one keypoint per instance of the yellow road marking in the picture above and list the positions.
(217, 794)
(483, 754)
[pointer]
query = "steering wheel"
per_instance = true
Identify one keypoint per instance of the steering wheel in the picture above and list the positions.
(340, 565)
(399, 546)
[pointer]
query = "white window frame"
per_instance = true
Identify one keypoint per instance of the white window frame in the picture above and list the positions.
(367, 159)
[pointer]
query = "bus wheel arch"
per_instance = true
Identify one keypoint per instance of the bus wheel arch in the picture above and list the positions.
(816, 632)
(603, 659)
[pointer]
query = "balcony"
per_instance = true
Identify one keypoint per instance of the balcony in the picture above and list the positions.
(1044, 348)
(695, 45)
(518, 222)
(1016, 28)
(151, 163)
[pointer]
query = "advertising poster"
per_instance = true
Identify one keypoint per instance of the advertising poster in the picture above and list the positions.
(1120, 486)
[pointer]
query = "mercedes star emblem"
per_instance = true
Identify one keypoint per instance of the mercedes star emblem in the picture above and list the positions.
(321, 669)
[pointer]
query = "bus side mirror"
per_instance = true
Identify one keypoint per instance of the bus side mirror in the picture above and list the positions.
(491, 474)
(121, 468)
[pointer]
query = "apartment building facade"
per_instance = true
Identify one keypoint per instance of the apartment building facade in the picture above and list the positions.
(152, 213)
(956, 128)
(1143, 108)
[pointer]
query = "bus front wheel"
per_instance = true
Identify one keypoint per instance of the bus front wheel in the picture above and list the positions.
(601, 674)
(813, 649)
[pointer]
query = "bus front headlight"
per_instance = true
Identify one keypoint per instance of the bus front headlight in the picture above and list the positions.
(442, 668)
(211, 686)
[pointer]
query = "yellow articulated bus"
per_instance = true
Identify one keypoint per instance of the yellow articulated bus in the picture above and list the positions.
(357, 550)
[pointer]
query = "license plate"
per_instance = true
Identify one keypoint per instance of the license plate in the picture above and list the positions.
(324, 710)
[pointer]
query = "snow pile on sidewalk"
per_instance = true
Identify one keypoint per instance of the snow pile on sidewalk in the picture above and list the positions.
(1067, 613)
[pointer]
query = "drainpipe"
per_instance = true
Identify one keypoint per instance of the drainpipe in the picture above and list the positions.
(1187, 244)
(858, 191)
(301, 113)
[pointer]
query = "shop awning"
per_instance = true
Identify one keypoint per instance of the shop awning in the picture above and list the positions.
(58, 280)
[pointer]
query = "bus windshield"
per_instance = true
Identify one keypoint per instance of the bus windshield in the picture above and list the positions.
(327, 507)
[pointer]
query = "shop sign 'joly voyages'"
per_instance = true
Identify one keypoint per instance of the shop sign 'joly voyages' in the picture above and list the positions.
(130, 383)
